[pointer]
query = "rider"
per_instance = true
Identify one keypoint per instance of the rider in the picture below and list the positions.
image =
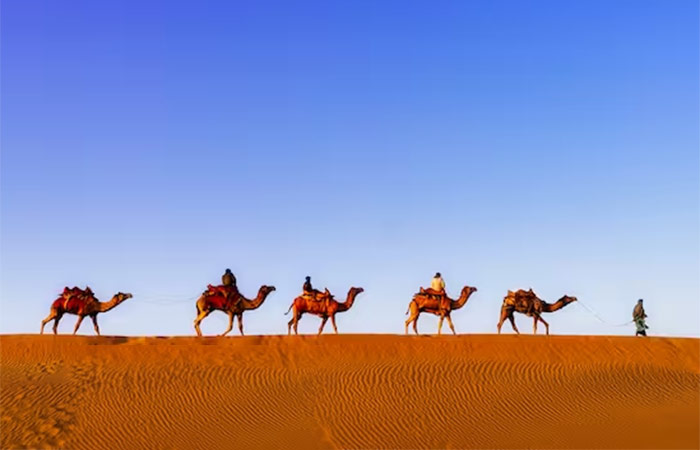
(436, 289)
(437, 284)
(639, 316)
(309, 290)
(228, 279)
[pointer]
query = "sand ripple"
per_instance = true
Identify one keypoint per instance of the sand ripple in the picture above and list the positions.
(349, 392)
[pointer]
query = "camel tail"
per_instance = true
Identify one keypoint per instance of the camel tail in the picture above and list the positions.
(409, 306)
(290, 308)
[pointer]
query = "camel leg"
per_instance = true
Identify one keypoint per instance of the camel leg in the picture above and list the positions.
(449, 322)
(94, 323)
(323, 324)
(410, 319)
(230, 323)
(52, 315)
(534, 325)
(512, 323)
(77, 325)
(198, 320)
(335, 328)
(240, 323)
(415, 323)
(442, 317)
(55, 322)
(504, 316)
(297, 317)
(291, 321)
(546, 325)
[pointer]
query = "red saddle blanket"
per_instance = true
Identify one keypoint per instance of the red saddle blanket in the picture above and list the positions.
(221, 296)
(75, 300)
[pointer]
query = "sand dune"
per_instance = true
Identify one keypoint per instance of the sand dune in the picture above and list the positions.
(352, 391)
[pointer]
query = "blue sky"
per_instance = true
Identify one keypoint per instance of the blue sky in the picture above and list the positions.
(506, 144)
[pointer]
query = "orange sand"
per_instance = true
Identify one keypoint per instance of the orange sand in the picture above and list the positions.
(351, 391)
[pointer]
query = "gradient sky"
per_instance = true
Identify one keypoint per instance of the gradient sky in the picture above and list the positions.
(147, 146)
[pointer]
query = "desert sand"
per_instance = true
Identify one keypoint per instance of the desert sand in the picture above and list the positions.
(349, 391)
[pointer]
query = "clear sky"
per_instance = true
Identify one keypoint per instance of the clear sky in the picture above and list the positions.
(147, 146)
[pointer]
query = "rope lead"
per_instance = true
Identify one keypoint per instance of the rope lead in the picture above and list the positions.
(600, 319)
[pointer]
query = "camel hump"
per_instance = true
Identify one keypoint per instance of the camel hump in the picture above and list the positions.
(72, 291)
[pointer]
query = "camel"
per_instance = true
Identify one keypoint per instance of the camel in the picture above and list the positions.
(422, 302)
(81, 306)
(326, 308)
(526, 302)
(217, 302)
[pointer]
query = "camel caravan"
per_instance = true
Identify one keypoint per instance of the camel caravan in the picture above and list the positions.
(228, 299)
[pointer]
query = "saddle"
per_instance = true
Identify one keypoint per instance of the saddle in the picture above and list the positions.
(77, 298)
(222, 290)
(75, 291)
(431, 291)
(521, 299)
(440, 297)
(318, 296)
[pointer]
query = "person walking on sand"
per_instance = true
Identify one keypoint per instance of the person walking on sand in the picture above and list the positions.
(639, 317)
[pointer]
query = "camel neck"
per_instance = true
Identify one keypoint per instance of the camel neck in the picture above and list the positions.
(462, 300)
(559, 304)
(106, 306)
(349, 300)
(255, 302)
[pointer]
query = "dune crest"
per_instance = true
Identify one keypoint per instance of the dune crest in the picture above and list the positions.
(349, 391)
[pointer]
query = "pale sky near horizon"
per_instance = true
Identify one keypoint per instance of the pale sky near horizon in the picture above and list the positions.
(147, 146)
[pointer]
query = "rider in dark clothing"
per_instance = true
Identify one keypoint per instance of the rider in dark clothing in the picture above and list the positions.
(307, 286)
(309, 290)
(228, 279)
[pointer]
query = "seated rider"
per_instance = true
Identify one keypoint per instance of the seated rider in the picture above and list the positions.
(228, 280)
(309, 290)
(436, 289)
(437, 286)
(227, 289)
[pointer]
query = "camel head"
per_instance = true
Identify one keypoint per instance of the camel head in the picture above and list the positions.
(356, 290)
(568, 299)
(469, 290)
(265, 290)
(122, 297)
